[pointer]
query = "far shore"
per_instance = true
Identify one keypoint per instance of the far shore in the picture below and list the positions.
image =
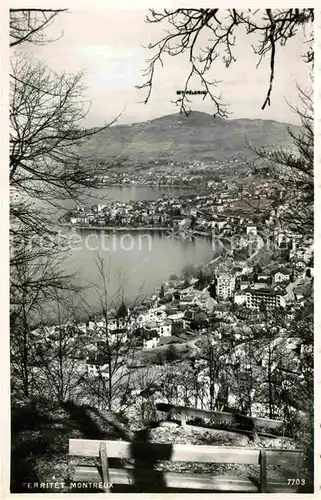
(153, 186)
(135, 229)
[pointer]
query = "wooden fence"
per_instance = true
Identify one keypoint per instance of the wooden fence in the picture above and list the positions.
(143, 477)
(250, 423)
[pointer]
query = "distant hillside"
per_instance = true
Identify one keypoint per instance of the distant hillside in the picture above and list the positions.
(178, 137)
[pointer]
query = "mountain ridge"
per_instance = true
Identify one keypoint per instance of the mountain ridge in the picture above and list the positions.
(178, 137)
(199, 113)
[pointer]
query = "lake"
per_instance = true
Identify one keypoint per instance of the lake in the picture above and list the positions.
(134, 264)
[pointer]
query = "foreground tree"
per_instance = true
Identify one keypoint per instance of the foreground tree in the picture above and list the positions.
(114, 353)
(291, 170)
(57, 354)
(47, 112)
(36, 285)
(47, 167)
(46, 133)
(30, 25)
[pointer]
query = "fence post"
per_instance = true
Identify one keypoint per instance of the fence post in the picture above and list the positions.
(104, 466)
(263, 471)
(255, 434)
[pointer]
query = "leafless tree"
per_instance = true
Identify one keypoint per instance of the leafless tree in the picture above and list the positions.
(46, 167)
(29, 25)
(47, 110)
(292, 171)
(35, 285)
(46, 132)
(282, 356)
(209, 36)
(44, 170)
(57, 356)
(115, 352)
(211, 370)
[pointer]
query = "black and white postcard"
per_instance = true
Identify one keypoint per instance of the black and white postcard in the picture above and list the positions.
(161, 184)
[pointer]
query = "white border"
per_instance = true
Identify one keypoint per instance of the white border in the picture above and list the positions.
(4, 226)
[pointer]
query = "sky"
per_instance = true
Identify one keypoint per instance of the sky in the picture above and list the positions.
(108, 44)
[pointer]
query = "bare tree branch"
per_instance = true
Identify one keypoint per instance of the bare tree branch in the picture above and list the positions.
(29, 25)
(189, 28)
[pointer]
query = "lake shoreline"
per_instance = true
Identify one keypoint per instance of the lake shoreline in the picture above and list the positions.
(139, 262)
(152, 186)
(141, 229)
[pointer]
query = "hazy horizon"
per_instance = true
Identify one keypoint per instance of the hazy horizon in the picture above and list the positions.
(205, 113)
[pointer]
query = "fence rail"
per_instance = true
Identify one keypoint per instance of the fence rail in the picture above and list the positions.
(146, 455)
(251, 423)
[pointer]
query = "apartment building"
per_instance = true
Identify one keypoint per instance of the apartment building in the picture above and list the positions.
(225, 285)
(266, 297)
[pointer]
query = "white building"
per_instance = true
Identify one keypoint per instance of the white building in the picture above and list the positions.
(94, 370)
(98, 208)
(164, 329)
(279, 277)
(151, 340)
(244, 285)
(225, 285)
(151, 315)
(266, 297)
(240, 297)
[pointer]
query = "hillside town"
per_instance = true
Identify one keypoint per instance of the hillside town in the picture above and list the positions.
(260, 270)
(221, 205)
(167, 172)
(161, 263)
(223, 301)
